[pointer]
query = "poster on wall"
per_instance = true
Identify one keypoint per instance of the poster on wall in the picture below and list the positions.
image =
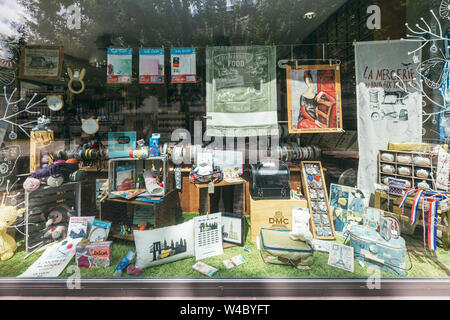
(183, 66)
(386, 113)
(119, 66)
(241, 91)
(41, 62)
(347, 206)
(314, 99)
(151, 66)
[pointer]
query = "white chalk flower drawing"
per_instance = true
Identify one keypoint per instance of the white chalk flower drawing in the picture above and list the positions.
(432, 72)
(444, 9)
(11, 118)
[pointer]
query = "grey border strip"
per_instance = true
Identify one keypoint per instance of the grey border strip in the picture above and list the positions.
(223, 288)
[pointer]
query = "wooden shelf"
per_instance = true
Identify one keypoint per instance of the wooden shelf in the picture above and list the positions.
(220, 184)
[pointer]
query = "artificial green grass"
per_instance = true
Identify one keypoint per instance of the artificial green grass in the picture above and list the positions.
(422, 265)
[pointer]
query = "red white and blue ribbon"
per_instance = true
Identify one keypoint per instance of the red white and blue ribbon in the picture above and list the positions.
(416, 202)
(429, 223)
(432, 225)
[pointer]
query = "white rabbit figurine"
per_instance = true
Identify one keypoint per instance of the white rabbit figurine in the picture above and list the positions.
(300, 225)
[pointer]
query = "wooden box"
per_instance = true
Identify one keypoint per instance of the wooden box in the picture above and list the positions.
(272, 214)
(227, 197)
(42, 200)
(165, 210)
(411, 178)
(160, 164)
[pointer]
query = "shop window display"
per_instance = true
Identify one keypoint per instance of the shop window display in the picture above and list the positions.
(149, 150)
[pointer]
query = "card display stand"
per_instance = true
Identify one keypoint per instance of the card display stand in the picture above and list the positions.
(412, 178)
(43, 200)
(39, 140)
(272, 214)
(315, 191)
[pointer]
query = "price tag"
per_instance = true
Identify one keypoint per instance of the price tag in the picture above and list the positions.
(211, 188)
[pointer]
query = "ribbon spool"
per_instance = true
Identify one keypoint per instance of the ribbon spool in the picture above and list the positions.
(139, 154)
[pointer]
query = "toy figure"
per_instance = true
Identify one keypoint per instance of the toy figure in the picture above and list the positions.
(57, 222)
(42, 124)
(7, 243)
(300, 225)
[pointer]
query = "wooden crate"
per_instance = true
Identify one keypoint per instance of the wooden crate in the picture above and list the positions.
(42, 200)
(166, 210)
(234, 199)
(272, 214)
(160, 164)
(39, 140)
(411, 178)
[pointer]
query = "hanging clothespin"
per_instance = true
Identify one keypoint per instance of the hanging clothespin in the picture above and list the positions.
(388, 39)
(330, 63)
(354, 42)
(296, 64)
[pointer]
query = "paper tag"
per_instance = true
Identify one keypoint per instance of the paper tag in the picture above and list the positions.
(211, 188)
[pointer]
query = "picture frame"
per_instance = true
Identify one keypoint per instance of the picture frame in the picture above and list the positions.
(313, 180)
(314, 98)
(41, 62)
(233, 228)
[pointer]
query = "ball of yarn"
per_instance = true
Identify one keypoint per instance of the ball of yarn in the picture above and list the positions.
(31, 184)
(45, 158)
(72, 161)
(55, 181)
(60, 155)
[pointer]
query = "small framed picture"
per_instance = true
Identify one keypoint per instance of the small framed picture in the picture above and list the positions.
(233, 228)
(38, 62)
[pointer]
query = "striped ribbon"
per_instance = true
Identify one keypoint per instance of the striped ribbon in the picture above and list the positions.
(433, 199)
(416, 202)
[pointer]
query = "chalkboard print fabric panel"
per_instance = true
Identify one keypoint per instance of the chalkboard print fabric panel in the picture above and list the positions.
(241, 91)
